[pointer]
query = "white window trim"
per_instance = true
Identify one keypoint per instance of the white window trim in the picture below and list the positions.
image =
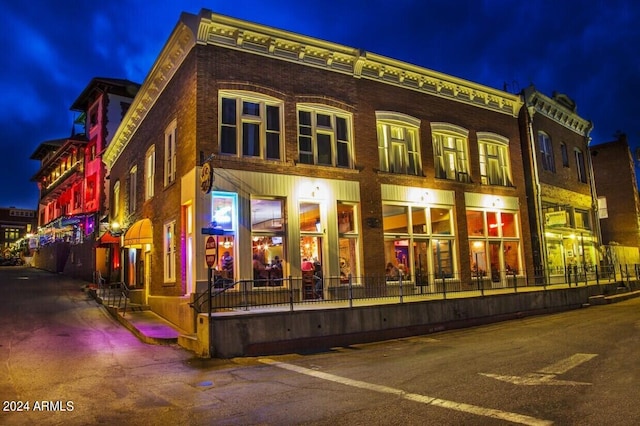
(548, 159)
(263, 100)
(314, 109)
(133, 188)
(170, 153)
(115, 205)
(440, 129)
(169, 251)
(149, 172)
(411, 125)
(489, 138)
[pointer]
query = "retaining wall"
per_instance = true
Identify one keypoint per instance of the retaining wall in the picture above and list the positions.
(254, 334)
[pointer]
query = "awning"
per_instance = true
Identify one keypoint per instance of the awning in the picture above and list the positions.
(108, 238)
(139, 233)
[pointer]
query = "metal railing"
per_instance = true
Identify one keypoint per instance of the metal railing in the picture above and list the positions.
(289, 292)
(112, 294)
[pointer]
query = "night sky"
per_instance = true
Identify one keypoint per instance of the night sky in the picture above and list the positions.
(52, 49)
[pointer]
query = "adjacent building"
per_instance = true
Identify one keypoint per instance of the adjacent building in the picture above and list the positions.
(618, 199)
(562, 198)
(71, 180)
(15, 227)
(295, 148)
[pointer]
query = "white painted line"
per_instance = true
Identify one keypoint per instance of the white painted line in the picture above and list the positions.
(546, 376)
(443, 403)
(567, 364)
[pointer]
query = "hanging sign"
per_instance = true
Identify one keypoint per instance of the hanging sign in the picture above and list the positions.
(206, 178)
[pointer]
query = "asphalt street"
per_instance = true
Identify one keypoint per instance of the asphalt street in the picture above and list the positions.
(71, 363)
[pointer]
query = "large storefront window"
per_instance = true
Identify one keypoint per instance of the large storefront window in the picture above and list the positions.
(347, 240)
(267, 242)
(311, 231)
(419, 243)
(224, 218)
(494, 246)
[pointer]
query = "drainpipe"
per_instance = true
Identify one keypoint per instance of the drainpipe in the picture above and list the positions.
(537, 198)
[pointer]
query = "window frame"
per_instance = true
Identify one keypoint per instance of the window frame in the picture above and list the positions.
(115, 208)
(149, 172)
(581, 167)
(545, 146)
(170, 158)
(133, 188)
(411, 161)
(459, 153)
(501, 143)
(338, 145)
(169, 251)
(262, 121)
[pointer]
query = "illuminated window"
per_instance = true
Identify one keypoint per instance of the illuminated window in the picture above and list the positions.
(169, 252)
(268, 241)
(324, 136)
(115, 203)
(133, 175)
(494, 159)
(250, 125)
(546, 152)
(170, 154)
(149, 172)
(450, 151)
(348, 240)
(418, 242)
(580, 167)
(398, 146)
(494, 245)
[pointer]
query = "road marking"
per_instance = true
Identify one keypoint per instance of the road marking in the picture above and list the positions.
(424, 399)
(546, 375)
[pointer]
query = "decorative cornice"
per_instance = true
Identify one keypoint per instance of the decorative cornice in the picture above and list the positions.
(288, 46)
(173, 54)
(536, 102)
(208, 28)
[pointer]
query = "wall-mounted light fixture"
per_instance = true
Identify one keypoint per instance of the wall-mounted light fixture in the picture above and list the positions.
(115, 229)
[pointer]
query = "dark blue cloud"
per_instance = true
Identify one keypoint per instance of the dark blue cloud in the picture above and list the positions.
(52, 49)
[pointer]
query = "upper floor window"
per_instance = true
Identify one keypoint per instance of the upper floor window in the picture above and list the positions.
(495, 167)
(398, 146)
(250, 125)
(450, 148)
(149, 172)
(546, 151)
(170, 153)
(324, 136)
(115, 204)
(133, 190)
(580, 167)
(565, 154)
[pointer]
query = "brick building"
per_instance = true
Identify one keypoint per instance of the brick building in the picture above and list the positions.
(71, 183)
(296, 148)
(559, 175)
(616, 185)
(15, 225)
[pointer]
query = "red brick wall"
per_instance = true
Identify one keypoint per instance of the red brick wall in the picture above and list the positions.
(615, 179)
(194, 104)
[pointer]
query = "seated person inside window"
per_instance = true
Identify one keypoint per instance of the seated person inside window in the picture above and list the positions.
(392, 272)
